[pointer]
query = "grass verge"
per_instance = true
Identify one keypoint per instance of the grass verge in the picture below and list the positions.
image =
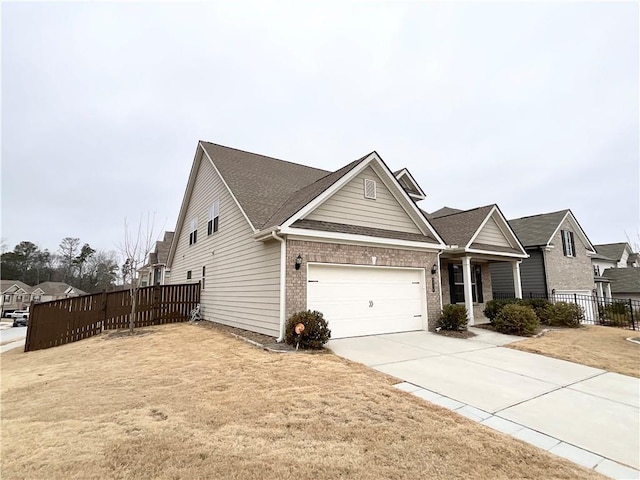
(595, 346)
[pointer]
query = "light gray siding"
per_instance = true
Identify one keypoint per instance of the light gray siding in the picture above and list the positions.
(492, 235)
(242, 277)
(349, 206)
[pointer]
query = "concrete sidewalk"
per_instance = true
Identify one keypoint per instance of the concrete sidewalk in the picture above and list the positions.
(587, 415)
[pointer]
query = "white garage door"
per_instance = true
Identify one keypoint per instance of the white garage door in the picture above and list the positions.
(360, 301)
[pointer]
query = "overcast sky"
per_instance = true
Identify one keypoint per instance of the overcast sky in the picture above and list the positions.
(534, 107)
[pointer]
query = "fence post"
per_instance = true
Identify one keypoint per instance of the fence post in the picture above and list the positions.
(633, 323)
(156, 304)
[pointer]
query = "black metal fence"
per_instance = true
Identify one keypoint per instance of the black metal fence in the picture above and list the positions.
(612, 312)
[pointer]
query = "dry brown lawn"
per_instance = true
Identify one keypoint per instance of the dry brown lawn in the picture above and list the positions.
(187, 402)
(595, 346)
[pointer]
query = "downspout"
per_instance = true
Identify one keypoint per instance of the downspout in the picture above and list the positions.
(283, 281)
(440, 278)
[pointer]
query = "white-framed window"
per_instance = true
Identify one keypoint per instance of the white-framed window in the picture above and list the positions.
(369, 189)
(193, 233)
(204, 273)
(188, 274)
(7, 298)
(568, 244)
(596, 270)
(214, 213)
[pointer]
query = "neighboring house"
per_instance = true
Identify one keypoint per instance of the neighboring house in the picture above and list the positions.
(48, 291)
(154, 271)
(477, 239)
(559, 257)
(625, 282)
(16, 295)
(621, 253)
(602, 284)
(267, 238)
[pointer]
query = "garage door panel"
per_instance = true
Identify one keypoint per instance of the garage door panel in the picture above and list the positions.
(366, 300)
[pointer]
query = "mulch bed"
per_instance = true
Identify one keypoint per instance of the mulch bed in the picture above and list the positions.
(257, 339)
(454, 334)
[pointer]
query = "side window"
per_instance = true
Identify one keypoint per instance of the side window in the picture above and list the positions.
(204, 273)
(568, 244)
(193, 233)
(214, 213)
(188, 274)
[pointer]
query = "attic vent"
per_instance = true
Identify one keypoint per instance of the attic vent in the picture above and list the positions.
(369, 189)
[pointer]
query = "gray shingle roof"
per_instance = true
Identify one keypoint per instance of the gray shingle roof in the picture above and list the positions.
(612, 250)
(459, 227)
(260, 184)
(5, 284)
(303, 196)
(56, 288)
(623, 280)
(537, 229)
(443, 212)
(358, 230)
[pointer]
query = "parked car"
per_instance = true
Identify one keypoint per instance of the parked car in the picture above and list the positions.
(20, 317)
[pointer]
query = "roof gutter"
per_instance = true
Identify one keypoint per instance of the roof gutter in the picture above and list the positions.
(283, 272)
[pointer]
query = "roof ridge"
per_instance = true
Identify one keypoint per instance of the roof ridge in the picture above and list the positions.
(265, 156)
(541, 214)
(464, 211)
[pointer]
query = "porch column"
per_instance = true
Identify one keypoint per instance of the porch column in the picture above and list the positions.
(608, 290)
(517, 284)
(599, 287)
(468, 292)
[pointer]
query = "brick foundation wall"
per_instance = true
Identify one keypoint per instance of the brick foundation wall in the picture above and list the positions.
(319, 252)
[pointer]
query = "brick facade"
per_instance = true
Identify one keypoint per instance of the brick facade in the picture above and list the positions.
(568, 273)
(487, 291)
(319, 252)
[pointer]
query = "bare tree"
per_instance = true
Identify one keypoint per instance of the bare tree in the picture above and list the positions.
(68, 252)
(134, 249)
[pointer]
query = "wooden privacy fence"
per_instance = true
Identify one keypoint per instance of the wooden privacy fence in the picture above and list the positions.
(72, 319)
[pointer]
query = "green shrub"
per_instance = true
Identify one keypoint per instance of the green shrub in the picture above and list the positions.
(516, 320)
(315, 333)
(538, 304)
(562, 314)
(616, 314)
(493, 307)
(454, 317)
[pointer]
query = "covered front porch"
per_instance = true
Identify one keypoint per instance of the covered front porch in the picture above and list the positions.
(466, 280)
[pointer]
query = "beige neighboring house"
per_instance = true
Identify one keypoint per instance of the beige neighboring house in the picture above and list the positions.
(47, 291)
(16, 295)
(476, 239)
(154, 272)
(267, 238)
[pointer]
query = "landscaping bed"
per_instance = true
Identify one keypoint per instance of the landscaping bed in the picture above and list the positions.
(190, 402)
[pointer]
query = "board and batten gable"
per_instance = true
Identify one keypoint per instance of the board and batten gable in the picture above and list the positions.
(242, 275)
(349, 206)
(491, 234)
(532, 275)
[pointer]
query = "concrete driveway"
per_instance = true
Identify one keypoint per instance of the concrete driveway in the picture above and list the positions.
(587, 415)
